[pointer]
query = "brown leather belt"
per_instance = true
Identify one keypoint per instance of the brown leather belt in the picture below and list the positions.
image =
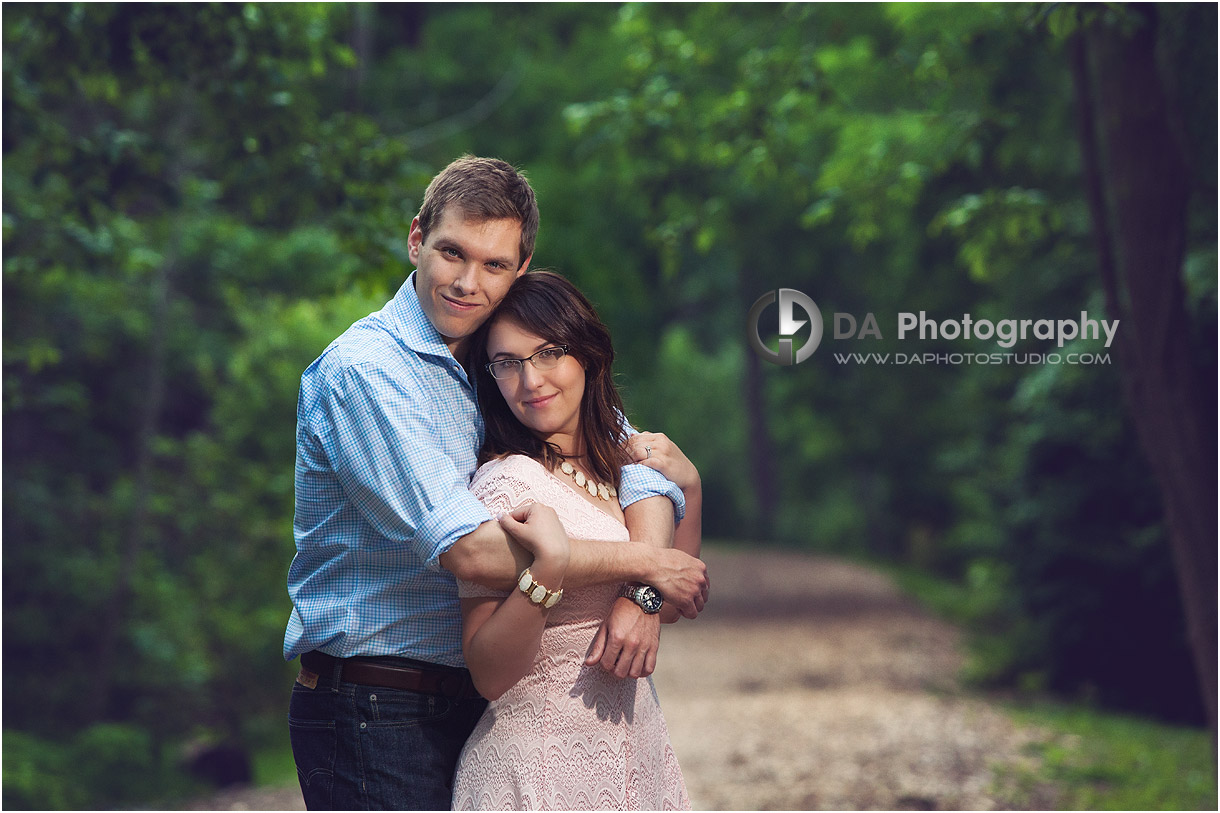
(441, 680)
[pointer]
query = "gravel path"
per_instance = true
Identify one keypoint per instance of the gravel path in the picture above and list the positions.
(810, 683)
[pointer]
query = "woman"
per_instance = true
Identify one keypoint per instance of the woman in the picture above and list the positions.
(559, 733)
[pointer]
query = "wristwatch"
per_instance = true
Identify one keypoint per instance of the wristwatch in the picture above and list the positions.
(646, 596)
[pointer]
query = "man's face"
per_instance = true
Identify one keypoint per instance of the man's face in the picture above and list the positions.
(462, 271)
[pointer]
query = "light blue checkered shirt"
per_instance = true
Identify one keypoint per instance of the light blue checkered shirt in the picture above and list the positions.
(388, 431)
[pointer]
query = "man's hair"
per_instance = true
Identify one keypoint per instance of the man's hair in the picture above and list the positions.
(483, 189)
(553, 309)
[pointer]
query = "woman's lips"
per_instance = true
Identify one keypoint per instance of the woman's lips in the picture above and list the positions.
(539, 402)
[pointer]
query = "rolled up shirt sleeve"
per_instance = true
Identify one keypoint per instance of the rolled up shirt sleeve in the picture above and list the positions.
(390, 462)
(639, 482)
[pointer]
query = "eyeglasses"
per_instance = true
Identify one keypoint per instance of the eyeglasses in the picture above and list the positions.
(545, 359)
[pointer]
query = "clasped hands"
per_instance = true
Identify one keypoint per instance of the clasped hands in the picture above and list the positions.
(627, 641)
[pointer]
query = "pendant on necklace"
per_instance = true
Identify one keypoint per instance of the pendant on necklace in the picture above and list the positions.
(599, 490)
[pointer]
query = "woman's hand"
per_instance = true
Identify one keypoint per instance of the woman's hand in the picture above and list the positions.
(655, 450)
(536, 527)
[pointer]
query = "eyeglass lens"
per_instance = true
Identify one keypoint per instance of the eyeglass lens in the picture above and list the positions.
(544, 359)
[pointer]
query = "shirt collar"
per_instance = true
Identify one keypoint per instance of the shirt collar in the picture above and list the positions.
(412, 326)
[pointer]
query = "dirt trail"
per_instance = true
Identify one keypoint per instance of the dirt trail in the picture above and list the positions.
(810, 683)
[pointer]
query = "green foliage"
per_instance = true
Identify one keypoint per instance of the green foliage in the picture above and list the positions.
(1090, 602)
(274, 764)
(105, 765)
(1084, 560)
(177, 249)
(682, 367)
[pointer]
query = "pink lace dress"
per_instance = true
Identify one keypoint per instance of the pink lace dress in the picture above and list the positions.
(566, 736)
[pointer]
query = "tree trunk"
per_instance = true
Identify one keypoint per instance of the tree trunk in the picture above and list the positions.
(1138, 188)
(363, 28)
(759, 454)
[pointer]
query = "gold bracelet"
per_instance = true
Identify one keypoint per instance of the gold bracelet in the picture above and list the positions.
(536, 593)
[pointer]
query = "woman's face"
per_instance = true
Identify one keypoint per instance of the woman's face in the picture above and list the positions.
(547, 402)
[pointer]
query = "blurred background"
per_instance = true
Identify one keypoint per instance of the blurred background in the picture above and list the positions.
(199, 197)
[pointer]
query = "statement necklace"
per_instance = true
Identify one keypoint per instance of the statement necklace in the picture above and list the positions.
(599, 490)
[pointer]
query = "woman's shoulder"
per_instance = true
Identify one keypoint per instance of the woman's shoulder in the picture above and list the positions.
(514, 466)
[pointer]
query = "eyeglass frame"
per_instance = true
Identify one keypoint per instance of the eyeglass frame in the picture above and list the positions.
(531, 359)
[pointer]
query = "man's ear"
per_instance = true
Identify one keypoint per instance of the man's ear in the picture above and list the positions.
(524, 266)
(415, 239)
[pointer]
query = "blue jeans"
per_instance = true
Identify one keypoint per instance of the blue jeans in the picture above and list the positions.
(370, 748)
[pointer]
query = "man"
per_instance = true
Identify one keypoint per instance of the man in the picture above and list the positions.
(387, 436)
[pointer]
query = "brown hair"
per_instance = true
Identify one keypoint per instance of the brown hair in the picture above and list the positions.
(483, 189)
(552, 308)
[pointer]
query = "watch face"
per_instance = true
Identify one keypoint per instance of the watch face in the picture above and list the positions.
(649, 599)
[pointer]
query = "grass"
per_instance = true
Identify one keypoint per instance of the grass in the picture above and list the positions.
(1094, 759)
(1098, 760)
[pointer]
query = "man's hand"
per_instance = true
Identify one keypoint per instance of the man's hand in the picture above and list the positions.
(627, 641)
(681, 579)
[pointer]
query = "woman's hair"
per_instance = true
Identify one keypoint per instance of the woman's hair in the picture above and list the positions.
(552, 308)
